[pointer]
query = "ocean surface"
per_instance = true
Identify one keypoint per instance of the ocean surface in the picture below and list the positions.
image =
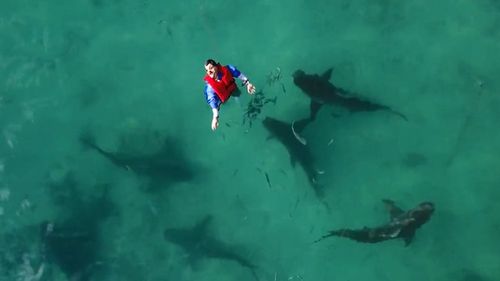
(109, 170)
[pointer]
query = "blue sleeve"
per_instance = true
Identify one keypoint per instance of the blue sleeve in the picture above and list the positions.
(234, 71)
(211, 97)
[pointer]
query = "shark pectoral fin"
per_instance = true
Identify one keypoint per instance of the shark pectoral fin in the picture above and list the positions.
(394, 211)
(408, 240)
(327, 74)
(194, 260)
(314, 108)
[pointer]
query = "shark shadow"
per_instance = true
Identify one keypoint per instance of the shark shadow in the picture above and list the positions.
(199, 244)
(321, 91)
(74, 241)
(401, 225)
(168, 165)
(298, 151)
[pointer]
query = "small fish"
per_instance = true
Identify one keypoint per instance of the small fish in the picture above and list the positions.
(274, 76)
(268, 181)
(283, 88)
(235, 172)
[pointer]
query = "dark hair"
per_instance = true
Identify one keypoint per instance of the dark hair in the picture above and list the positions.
(211, 61)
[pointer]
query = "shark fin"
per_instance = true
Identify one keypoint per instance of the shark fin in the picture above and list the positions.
(314, 108)
(409, 238)
(327, 74)
(394, 211)
(329, 234)
(88, 141)
(202, 226)
(194, 260)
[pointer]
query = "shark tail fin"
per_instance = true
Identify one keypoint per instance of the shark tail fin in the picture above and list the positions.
(399, 114)
(330, 234)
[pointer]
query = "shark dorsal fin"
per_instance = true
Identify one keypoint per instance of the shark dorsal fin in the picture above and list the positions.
(327, 74)
(202, 226)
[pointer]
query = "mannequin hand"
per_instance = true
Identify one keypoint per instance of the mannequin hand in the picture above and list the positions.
(250, 88)
(215, 123)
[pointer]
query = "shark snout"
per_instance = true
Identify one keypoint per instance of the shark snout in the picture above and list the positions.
(426, 206)
(423, 211)
(267, 122)
(298, 73)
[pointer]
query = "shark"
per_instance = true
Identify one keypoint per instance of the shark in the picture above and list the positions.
(402, 225)
(297, 149)
(73, 240)
(165, 166)
(198, 243)
(321, 91)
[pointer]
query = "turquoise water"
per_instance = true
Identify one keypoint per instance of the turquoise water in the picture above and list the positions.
(128, 74)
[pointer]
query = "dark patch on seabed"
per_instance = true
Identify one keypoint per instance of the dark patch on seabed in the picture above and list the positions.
(73, 241)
